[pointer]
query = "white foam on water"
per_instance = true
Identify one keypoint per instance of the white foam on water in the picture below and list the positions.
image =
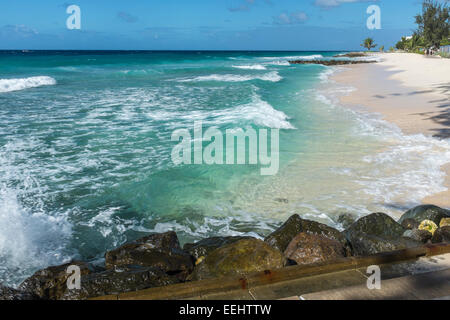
(271, 76)
(279, 63)
(407, 169)
(257, 111)
(8, 85)
(251, 67)
(310, 57)
(30, 237)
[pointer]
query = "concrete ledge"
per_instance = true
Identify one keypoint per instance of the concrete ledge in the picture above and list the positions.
(427, 286)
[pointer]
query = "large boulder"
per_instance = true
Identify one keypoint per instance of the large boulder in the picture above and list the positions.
(119, 280)
(281, 237)
(239, 258)
(426, 212)
(205, 246)
(160, 250)
(7, 293)
(310, 248)
(51, 283)
(377, 233)
(441, 235)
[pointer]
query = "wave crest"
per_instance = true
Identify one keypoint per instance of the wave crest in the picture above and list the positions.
(251, 67)
(8, 85)
(271, 76)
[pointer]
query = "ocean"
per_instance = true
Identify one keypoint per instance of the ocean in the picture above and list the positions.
(85, 151)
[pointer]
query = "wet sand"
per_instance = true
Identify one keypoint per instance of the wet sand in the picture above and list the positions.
(410, 90)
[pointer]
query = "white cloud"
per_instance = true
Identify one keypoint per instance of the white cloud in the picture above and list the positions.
(335, 3)
(18, 30)
(293, 18)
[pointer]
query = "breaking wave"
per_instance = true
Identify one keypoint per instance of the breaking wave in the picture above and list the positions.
(8, 85)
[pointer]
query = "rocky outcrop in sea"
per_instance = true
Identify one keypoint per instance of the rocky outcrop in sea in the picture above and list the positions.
(332, 62)
(158, 260)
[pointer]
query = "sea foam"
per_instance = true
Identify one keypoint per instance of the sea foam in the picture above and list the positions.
(251, 67)
(271, 76)
(8, 85)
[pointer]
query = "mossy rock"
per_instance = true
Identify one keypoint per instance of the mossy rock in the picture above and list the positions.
(310, 248)
(377, 233)
(239, 258)
(377, 224)
(441, 235)
(120, 280)
(205, 246)
(160, 250)
(426, 212)
(51, 283)
(281, 237)
(410, 224)
(10, 294)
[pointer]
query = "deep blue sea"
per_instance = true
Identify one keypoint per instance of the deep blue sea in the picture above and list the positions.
(85, 151)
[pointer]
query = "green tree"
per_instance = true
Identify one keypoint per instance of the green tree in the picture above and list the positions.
(434, 22)
(368, 44)
(382, 49)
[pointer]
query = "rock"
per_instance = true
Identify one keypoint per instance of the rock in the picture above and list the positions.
(444, 222)
(346, 220)
(418, 235)
(441, 235)
(332, 62)
(426, 212)
(7, 293)
(203, 247)
(410, 224)
(160, 250)
(351, 55)
(51, 283)
(281, 237)
(428, 225)
(377, 233)
(310, 248)
(115, 281)
(239, 258)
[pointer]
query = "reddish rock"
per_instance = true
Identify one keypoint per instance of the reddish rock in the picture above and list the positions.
(310, 248)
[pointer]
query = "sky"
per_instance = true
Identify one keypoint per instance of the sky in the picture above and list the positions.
(203, 24)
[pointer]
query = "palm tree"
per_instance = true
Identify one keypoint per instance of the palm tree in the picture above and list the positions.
(368, 44)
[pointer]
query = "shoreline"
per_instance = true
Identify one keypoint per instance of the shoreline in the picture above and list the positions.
(408, 90)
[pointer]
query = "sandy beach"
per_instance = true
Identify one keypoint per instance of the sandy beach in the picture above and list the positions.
(409, 90)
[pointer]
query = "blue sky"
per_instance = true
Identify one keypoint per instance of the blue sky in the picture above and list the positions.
(203, 24)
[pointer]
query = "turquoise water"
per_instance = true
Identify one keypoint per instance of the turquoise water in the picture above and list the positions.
(85, 151)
